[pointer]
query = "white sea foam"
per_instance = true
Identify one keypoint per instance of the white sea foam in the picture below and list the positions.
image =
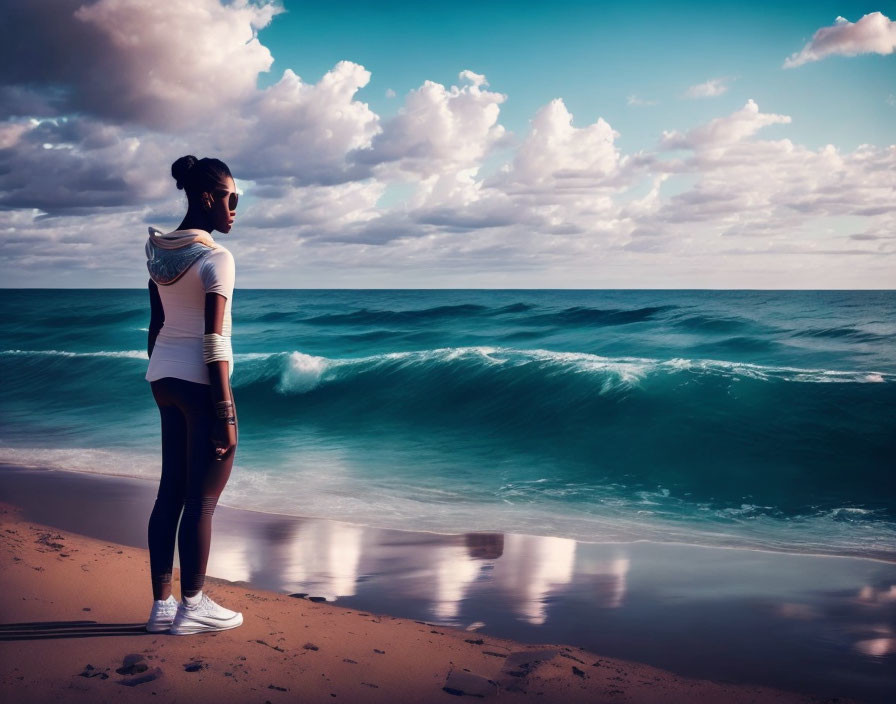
(90, 460)
(303, 372)
(253, 356)
(130, 354)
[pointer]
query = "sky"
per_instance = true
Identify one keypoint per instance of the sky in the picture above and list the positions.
(463, 145)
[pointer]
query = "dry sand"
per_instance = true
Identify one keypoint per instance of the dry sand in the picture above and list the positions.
(73, 610)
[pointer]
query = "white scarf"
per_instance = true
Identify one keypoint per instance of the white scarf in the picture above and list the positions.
(169, 255)
(180, 238)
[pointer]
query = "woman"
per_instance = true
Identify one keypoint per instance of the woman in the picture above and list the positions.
(190, 364)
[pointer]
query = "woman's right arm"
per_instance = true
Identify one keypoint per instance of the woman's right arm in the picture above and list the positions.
(217, 272)
(219, 376)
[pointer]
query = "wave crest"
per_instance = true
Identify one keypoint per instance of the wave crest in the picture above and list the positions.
(299, 372)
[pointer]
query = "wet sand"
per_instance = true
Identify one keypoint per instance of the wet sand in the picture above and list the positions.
(494, 614)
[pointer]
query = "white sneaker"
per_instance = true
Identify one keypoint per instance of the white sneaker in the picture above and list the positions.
(205, 616)
(162, 615)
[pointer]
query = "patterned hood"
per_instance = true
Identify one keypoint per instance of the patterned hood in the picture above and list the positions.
(167, 265)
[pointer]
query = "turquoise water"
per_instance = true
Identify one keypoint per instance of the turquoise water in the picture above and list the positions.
(740, 418)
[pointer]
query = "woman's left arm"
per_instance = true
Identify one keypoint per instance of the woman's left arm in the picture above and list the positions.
(156, 316)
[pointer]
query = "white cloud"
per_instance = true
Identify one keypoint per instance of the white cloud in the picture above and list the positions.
(88, 165)
(11, 132)
(709, 89)
(477, 79)
(874, 33)
(290, 132)
(724, 130)
(558, 156)
(314, 211)
(157, 63)
(300, 131)
(438, 130)
(767, 186)
(634, 100)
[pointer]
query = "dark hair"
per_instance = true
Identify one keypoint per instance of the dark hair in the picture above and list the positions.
(199, 175)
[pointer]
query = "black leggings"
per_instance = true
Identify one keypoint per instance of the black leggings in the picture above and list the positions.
(192, 480)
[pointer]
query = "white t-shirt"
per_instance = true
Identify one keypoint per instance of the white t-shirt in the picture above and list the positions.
(178, 348)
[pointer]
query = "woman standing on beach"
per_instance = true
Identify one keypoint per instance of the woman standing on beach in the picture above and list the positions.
(190, 364)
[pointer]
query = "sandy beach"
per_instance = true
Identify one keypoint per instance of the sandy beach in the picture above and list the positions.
(74, 607)
(76, 625)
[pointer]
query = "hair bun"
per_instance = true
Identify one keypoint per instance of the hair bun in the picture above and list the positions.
(181, 169)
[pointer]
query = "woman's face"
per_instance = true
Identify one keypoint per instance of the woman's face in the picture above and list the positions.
(222, 216)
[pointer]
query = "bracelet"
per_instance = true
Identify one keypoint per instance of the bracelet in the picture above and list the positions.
(216, 348)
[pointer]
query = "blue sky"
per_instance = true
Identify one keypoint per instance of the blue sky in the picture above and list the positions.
(490, 144)
(595, 55)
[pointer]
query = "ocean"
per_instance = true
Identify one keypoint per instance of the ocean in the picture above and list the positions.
(754, 419)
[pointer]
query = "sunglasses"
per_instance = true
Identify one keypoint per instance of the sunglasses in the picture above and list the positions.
(233, 200)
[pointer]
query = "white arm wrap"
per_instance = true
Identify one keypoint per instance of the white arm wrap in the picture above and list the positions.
(216, 348)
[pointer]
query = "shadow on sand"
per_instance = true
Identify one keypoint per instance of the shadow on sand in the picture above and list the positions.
(42, 630)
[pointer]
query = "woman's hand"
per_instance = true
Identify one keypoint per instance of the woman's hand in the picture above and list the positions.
(224, 439)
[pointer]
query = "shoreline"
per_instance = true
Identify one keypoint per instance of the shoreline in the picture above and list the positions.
(688, 610)
(889, 558)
